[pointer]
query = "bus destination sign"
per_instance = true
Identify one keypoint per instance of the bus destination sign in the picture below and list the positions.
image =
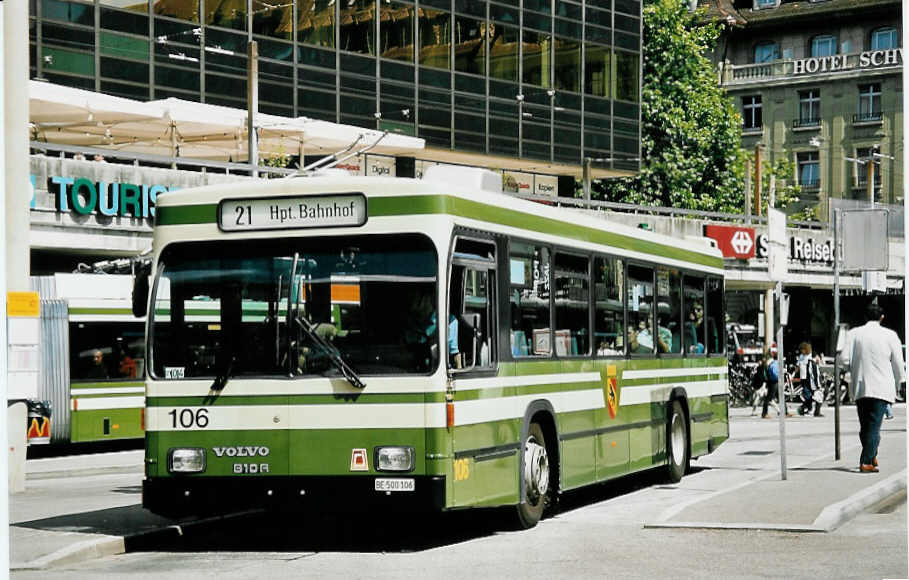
(279, 213)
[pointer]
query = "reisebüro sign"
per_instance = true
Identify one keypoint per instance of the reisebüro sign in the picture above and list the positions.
(839, 62)
(277, 213)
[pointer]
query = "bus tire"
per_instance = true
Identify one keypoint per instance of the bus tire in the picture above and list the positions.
(677, 452)
(534, 473)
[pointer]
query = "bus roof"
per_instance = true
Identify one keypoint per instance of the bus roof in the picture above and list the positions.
(405, 196)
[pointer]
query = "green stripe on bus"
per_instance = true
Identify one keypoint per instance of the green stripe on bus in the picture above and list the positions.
(100, 311)
(446, 204)
(186, 214)
(106, 385)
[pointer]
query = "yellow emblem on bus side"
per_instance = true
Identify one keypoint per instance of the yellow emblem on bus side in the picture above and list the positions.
(461, 469)
(612, 397)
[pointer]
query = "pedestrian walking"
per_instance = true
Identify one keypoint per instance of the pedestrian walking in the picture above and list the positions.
(771, 369)
(873, 355)
(809, 379)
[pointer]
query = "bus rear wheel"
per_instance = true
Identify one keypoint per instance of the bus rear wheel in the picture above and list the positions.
(676, 443)
(534, 478)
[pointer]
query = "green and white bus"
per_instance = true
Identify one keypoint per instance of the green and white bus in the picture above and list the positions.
(340, 342)
(91, 386)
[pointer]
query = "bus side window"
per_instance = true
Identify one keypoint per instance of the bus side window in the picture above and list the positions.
(471, 308)
(716, 316)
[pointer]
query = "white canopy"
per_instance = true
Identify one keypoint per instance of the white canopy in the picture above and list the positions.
(177, 128)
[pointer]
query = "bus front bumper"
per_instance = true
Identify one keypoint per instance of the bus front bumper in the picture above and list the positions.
(177, 496)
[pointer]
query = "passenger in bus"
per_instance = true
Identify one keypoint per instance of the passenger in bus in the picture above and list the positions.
(98, 369)
(640, 339)
(127, 364)
(664, 334)
(694, 329)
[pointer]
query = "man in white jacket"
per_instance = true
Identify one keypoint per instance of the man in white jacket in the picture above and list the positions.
(874, 356)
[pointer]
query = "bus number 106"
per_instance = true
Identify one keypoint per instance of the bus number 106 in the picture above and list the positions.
(187, 418)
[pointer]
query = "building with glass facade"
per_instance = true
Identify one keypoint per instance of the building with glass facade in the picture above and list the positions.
(819, 83)
(543, 84)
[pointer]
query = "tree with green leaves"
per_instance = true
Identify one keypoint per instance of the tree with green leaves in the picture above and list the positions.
(691, 153)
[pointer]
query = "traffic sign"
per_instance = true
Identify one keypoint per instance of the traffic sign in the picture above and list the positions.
(733, 241)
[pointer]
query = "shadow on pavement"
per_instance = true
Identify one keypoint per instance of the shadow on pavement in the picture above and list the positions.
(367, 531)
(119, 521)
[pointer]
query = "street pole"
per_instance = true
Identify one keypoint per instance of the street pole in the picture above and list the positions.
(781, 384)
(748, 192)
(252, 106)
(586, 170)
(520, 99)
(837, 250)
(757, 179)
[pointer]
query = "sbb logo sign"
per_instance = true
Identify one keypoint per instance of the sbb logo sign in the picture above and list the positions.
(734, 242)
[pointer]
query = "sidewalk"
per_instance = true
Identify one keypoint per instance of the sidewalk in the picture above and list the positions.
(82, 507)
(819, 493)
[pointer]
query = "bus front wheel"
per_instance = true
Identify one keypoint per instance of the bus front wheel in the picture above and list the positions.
(534, 478)
(676, 443)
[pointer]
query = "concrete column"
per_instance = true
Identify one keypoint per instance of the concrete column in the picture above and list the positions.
(18, 196)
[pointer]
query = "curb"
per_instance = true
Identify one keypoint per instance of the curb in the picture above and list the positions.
(834, 515)
(78, 552)
(83, 472)
(114, 545)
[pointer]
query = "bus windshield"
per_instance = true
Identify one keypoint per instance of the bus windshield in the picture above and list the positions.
(233, 307)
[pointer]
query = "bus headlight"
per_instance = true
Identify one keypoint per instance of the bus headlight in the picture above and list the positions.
(394, 459)
(186, 460)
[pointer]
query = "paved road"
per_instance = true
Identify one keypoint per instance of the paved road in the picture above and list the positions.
(600, 532)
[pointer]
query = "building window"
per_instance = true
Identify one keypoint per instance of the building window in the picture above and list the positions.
(823, 45)
(861, 171)
(396, 29)
(869, 105)
(316, 23)
(766, 52)
(751, 112)
(435, 39)
(626, 76)
(596, 71)
(884, 39)
(809, 108)
(809, 170)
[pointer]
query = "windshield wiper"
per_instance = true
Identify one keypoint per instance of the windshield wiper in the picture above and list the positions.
(214, 391)
(293, 314)
(334, 355)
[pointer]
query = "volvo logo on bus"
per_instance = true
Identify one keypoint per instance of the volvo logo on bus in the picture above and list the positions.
(241, 451)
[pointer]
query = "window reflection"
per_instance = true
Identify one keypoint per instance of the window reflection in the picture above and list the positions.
(130, 5)
(537, 52)
(470, 45)
(316, 22)
(397, 31)
(626, 76)
(226, 13)
(188, 11)
(358, 26)
(435, 38)
(273, 19)
(596, 70)
(503, 52)
(567, 65)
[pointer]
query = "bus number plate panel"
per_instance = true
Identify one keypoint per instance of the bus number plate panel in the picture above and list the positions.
(394, 484)
(292, 212)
